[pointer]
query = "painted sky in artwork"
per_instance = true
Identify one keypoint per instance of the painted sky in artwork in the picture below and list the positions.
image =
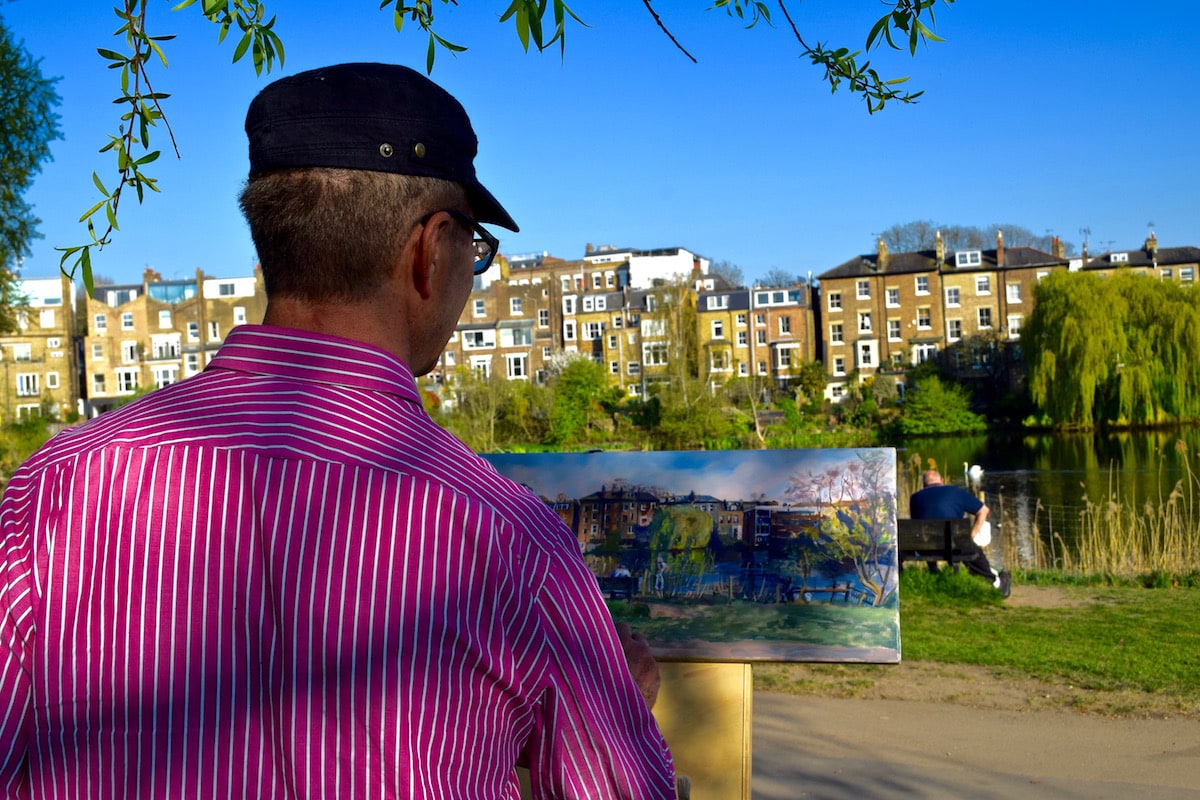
(726, 475)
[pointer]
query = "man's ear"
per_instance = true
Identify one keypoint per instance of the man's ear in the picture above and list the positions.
(429, 249)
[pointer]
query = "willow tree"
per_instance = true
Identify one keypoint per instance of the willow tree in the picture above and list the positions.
(1114, 351)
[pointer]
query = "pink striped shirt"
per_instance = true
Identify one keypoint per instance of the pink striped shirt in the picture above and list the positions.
(281, 579)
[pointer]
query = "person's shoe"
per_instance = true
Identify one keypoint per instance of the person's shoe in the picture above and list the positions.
(1005, 583)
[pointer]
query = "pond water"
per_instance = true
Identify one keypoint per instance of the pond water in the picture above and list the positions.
(1050, 478)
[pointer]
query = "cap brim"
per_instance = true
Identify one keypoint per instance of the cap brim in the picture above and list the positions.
(488, 209)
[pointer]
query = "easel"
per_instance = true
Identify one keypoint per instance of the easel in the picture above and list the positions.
(704, 711)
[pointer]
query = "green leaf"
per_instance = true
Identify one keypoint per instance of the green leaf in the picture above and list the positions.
(92, 210)
(111, 55)
(242, 47)
(85, 263)
(429, 55)
(153, 156)
(99, 185)
(111, 213)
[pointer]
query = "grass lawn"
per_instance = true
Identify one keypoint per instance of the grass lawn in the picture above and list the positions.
(1125, 642)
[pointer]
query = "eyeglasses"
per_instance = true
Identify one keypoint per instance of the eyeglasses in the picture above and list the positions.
(486, 244)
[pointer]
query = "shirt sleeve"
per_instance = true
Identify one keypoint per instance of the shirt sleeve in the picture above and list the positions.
(593, 736)
(16, 688)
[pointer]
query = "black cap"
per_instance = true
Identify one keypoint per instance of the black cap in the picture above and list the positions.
(378, 117)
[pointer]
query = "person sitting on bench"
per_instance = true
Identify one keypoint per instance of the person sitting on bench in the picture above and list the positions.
(936, 500)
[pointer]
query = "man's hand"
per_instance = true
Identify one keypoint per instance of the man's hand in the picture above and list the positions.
(642, 665)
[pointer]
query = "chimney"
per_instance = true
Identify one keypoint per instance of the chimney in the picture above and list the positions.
(999, 248)
(882, 252)
(590, 249)
(150, 276)
(1085, 253)
(940, 249)
(1152, 246)
(1056, 248)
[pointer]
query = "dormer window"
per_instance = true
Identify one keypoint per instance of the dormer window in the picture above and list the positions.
(1118, 258)
(968, 258)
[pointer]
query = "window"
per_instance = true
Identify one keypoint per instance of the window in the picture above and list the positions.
(129, 352)
(1164, 274)
(893, 298)
(518, 367)
(837, 392)
(474, 340)
(516, 306)
(165, 376)
(760, 337)
(863, 290)
(784, 358)
(193, 331)
(985, 318)
(482, 366)
(546, 351)
(166, 346)
(226, 289)
(741, 339)
(127, 381)
(239, 315)
(835, 301)
(718, 329)
(164, 318)
(46, 318)
(597, 280)
(100, 322)
(478, 309)
(864, 322)
(98, 383)
(760, 319)
(612, 342)
(720, 361)
(866, 355)
(953, 297)
(836, 335)
(718, 301)
(127, 321)
(924, 318)
(27, 384)
(1186, 274)
(97, 352)
(785, 325)
(610, 279)
(655, 355)
(543, 318)
(983, 284)
(593, 330)
(618, 321)
(968, 258)
(191, 363)
(741, 320)
(743, 369)
(762, 368)
(522, 337)
(1013, 292)
(839, 366)
(1041, 275)
(22, 352)
(954, 329)
(569, 305)
(634, 368)
(450, 360)
(214, 331)
(893, 330)
(925, 352)
(922, 284)
(614, 367)
(569, 331)
(1014, 327)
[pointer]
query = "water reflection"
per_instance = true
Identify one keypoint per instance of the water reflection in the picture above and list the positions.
(1039, 485)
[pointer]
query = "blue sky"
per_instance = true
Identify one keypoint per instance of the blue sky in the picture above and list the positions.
(1056, 116)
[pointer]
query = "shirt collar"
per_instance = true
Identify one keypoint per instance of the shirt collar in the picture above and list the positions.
(308, 356)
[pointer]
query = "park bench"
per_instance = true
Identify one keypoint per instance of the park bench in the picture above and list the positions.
(618, 588)
(932, 540)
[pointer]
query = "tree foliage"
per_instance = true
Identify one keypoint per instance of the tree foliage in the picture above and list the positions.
(933, 407)
(906, 25)
(27, 103)
(910, 237)
(1133, 364)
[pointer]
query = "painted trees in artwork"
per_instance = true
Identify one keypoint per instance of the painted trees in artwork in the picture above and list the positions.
(858, 521)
